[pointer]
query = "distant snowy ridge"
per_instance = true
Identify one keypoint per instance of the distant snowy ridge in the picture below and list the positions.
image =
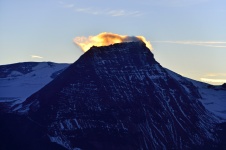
(20, 80)
(212, 97)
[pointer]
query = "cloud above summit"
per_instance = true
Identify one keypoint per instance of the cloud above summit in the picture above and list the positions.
(105, 39)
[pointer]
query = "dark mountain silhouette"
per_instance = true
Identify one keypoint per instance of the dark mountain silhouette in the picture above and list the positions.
(119, 97)
(114, 97)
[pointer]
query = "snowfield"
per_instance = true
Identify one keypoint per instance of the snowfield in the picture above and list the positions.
(16, 86)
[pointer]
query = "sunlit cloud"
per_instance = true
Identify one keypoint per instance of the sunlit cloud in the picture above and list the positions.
(104, 39)
(209, 80)
(36, 56)
(216, 44)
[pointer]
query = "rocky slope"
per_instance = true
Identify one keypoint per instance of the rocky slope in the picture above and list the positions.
(119, 97)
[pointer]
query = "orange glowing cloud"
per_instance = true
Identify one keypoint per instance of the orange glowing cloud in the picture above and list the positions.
(105, 39)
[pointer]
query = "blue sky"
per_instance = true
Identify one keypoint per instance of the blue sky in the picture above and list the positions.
(188, 36)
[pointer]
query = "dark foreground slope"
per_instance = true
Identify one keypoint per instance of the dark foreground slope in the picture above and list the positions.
(119, 97)
(20, 133)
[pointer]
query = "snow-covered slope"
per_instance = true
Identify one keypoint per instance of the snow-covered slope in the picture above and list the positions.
(20, 80)
(212, 97)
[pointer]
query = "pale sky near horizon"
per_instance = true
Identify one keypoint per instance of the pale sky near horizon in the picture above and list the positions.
(188, 36)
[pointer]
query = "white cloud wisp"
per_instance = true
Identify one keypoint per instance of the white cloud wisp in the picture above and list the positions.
(216, 44)
(36, 56)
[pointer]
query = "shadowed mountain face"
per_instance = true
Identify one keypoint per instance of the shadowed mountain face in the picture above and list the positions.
(119, 97)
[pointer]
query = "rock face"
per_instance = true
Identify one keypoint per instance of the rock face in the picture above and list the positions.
(224, 85)
(120, 97)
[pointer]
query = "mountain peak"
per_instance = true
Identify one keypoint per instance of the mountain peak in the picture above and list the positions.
(120, 54)
(119, 97)
(137, 46)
